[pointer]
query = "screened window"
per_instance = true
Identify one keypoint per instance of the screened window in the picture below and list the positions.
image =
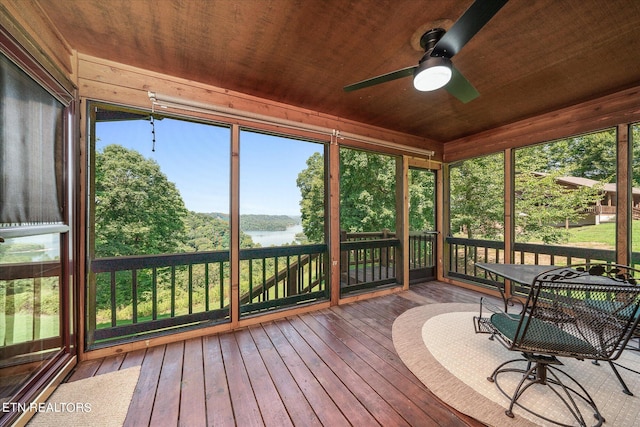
(160, 235)
(565, 195)
(477, 198)
(634, 133)
(281, 190)
(368, 240)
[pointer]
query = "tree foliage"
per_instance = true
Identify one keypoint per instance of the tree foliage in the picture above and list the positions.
(367, 191)
(422, 190)
(367, 194)
(311, 184)
(543, 206)
(590, 156)
(137, 209)
(477, 197)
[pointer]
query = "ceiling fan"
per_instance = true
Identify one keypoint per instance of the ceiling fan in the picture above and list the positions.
(435, 70)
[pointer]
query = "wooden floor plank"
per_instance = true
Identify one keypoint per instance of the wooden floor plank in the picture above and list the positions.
(400, 404)
(325, 408)
(271, 406)
(245, 407)
(133, 358)
(360, 344)
(218, 398)
(192, 393)
(333, 367)
(166, 409)
(110, 364)
(380, 345)
(362, 383)
(299, 409)
(349, 405)
(411, 399)
(144, 394)
(85, 370)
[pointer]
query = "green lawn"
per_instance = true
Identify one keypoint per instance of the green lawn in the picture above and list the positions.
(603, 236)
(23, 327)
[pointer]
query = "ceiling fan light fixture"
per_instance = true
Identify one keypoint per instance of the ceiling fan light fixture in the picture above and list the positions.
(432, 73)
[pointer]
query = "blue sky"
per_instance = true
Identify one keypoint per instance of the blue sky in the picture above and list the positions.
(196, 158)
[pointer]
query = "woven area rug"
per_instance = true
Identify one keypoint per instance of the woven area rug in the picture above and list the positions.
(102, 401)
(438, 344)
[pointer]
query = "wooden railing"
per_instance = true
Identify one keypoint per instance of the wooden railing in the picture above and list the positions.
(368, 259)
(154, 294)
(463, 254)
(16, 280)
(138, 296)
(367, 264)
(283, 276)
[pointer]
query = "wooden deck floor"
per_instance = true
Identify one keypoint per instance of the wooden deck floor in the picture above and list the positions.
(333, 367)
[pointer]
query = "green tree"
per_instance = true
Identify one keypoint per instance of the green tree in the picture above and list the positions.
(477, 197)
(367, 201)
(590, 156)
(209, 232)
(311, 184)
(635, 139)
(367, 191)
(543, 207)
(421, 200)
(137, 209)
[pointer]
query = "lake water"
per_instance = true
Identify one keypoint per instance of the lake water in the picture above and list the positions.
(48, 248)
(275, 238)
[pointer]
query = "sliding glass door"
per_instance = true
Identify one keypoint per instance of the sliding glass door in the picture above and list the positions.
(36, 298)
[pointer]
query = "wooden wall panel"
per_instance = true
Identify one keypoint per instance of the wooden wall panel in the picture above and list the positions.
(118, 83)
(31, 27)
(605, 112)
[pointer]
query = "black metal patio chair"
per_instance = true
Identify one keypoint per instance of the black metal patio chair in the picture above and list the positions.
(582, 312)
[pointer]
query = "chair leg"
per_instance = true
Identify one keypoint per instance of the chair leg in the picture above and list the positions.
(625, 389)
(540, 372)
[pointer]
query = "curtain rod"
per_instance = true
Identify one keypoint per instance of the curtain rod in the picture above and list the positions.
(195, 106)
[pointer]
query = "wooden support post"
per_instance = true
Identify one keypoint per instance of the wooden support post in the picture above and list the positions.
(402, 221)
(333, 221)
(509, 234)
(623, 197)
(442, 220)
(234, 224)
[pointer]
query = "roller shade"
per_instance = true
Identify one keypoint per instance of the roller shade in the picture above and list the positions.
(31, 150)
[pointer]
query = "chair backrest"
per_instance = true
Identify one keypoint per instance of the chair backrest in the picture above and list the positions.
(582, 311)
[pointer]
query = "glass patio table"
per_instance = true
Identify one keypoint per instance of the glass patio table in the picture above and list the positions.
(522, 274)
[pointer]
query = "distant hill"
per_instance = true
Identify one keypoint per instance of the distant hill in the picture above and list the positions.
(261, 222)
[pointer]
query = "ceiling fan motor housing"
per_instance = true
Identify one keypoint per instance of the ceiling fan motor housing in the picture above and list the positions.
(429, 40)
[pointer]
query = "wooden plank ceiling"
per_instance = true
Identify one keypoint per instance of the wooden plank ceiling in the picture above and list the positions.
(533, 57)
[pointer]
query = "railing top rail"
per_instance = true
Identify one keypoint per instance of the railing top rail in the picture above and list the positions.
(493, 244)
(570, 251)
(368, 244)
(276, 251)
(29, 270)
(136, 262)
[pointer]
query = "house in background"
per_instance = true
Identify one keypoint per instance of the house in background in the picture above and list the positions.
(605, 210)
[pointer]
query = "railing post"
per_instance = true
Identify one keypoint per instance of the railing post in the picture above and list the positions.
(37, 307)
(9, 312)
(292, 280)
(344, 257)
(384, 251)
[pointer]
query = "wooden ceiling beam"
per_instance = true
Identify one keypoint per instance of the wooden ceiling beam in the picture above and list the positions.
(606, 112)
